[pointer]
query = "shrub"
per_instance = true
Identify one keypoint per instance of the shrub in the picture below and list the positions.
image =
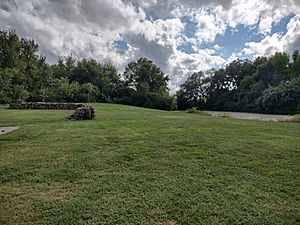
(195, 110)
(192, 110)
(293, 119)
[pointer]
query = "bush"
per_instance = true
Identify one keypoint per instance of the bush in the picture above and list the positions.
(192, 110)
(294, 119)
(19, 93)
(284, 98)
(195, 110)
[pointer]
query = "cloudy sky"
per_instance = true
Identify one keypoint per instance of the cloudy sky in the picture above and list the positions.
(180, 36)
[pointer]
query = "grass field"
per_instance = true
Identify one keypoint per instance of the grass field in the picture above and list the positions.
(141, 166)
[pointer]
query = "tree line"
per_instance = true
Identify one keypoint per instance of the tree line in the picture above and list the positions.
(266, 84)
(26, 76)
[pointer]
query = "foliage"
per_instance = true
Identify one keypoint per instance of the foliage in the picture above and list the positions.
(65, 91)
(88, 92)
(26, 76)
(194, 92)
(145, 74)
(269, 85)
(147, 85)
(283, 98)
(293, 119)
(192, 110)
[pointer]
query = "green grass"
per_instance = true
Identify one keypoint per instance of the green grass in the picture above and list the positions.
(141, 166)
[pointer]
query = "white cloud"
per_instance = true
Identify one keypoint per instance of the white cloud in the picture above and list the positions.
(291, 40)
(232, 58)
(209, 25)
(73, 27)
(277, 42)
(88, 29)
(181, 64)
(217, 47)
(163, 32)
(263, 13)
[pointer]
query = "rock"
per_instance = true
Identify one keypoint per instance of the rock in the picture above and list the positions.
(83, 113)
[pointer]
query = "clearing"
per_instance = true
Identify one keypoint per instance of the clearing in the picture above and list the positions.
(142, 166)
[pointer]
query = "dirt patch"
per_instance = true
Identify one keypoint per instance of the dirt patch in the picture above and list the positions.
(57, 193)
(4, 130)
(167, 222)
(16, 205)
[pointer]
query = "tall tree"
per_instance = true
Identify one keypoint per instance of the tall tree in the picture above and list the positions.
(147, 85)
(194, 92)
(145, 73)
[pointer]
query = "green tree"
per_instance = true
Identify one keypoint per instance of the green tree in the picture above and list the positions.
(88, 93)
(9, 49)
(295, 65)
(284, 98)
(19, 93)
(145, 72)
(148, 84)
(64, 90)
(6, 85)
(64, 67)
(194, 92)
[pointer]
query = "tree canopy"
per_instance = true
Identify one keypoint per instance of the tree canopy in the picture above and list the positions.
(266, 84)
(25, 76)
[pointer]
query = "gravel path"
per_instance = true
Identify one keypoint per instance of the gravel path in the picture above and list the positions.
(4, 130)
(250, 116)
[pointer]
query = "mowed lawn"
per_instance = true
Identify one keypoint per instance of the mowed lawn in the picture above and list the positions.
(141, 166)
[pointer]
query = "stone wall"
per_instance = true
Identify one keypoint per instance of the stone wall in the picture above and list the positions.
(82, 111)
(46, 105)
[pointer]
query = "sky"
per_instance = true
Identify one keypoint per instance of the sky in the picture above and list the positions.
(181, 37)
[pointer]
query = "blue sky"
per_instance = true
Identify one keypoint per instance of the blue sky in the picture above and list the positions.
(181, 37)
(232, 41)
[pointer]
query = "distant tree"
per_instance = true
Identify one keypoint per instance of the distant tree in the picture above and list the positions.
(19, 93)
(147, 85)
(64, 67)
(238, 70)
(9, 49)
(194, 92)
(295, 55)
(103, 76)
(20, 62)
(145, 72)
(88, 93)
(274, 70)
(284, 98)
(112, 83)
(10, 91)
(64, 91)
(295, 65)
(6, 85)
(266, 84)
